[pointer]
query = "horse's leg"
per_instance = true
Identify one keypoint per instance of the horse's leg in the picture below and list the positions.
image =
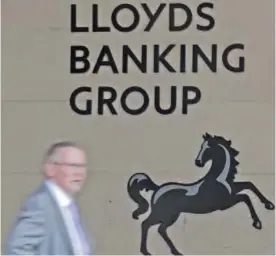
(162, 229)
(146, 224)
(239, 186)
(238, 198)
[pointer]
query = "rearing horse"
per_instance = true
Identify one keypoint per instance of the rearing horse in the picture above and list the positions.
(217, 190)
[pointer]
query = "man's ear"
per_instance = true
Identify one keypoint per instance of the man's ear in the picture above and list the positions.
(211, 141)
(49, 170)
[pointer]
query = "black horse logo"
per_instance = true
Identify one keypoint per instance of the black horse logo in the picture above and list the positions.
(217, 190)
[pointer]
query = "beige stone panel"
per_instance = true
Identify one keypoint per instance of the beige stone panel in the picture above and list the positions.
(37, 68)
(107, 209)
(35, 62)
(147, 142)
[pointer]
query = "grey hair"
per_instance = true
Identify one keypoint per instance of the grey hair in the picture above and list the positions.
(52, 150)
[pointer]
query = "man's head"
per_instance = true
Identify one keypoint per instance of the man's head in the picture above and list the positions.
(65, 164)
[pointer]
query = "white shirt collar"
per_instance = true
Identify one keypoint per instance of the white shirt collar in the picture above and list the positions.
(62, 198)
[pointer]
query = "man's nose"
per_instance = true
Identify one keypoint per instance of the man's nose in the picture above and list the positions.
(79, 174)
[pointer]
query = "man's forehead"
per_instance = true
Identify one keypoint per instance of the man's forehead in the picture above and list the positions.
(69, 152)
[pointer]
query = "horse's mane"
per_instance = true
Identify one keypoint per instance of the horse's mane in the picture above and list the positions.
(233, 154)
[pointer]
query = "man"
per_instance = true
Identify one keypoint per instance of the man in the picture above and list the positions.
(49, 222)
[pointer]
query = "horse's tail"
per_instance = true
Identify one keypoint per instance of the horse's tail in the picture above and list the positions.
(136, 183)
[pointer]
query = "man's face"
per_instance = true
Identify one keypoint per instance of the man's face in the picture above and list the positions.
(70, 169)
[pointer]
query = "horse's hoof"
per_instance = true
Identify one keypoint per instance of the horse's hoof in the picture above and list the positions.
(269, 206)
(257, 224)
(176, 252)
(135, 216)
(144, 252)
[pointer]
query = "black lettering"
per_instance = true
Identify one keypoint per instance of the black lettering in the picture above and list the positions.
(83, 59)
(189, 17)
(109, 62)
(95, 17)
(106, 101)
(212, 64)
(141, 64)
(241, 65)
(205, 16)
(186, 100)
(73, 101)
(74, 27)
(135, 22)
(144, 106)
(152, 16)
(157, 100)
(182, 58)
(161, 58)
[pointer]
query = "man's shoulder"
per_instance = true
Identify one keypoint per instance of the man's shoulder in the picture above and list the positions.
(37, 198)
